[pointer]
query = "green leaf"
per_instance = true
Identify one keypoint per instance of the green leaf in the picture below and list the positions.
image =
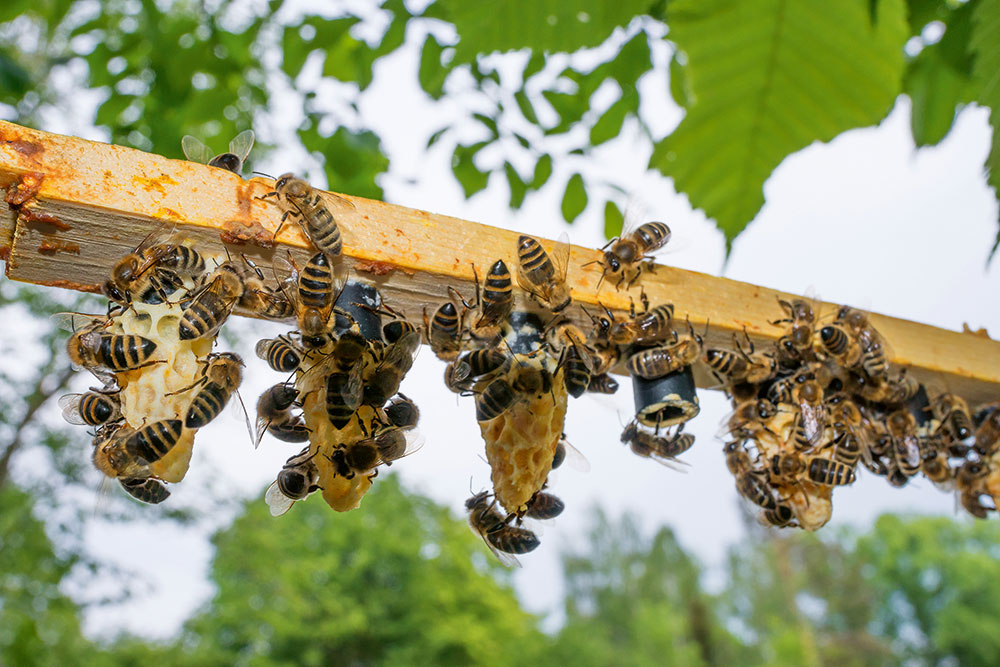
(437, 135)
(609, 125)
(574, 199)
(986, 73)
(518, 188)
(632, 61)
(543, 170)
(613, 220)
(535, 64)
(15, 81)
(524, 104)
(432, 73)
(469, 176)
(936, 91)
(490, 123)
(12, 9)
(542, 25)
(769, 78)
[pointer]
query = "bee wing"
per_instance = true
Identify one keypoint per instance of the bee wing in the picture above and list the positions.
(339, 205)
(506, 559)
(414, 442)
(195, 150)
(560, 256)
(70, 404)
(277, 502)
(525, 283)
(73, 322)
(460, 370)
(260, 428)
(241, 144)
(635, 214)
(575, 458)
(239, 408)
(581, 349)
(402, 353)
(284, 269)
(670, 462)
(103, 496)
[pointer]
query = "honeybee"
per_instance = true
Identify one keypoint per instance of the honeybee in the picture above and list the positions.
(396, 329)
(796, 343)
(887, 391)
(755, 488)
(96, 407)
(988, 433)
(602, 384)
(111, 457)
(502, 539)
(495, 399)
(318, 286)
(576, 373)
(779, 516)
(650, 326)
(840, 344)
(312, 212)
(808, 396)
(402, 412)
(542, 276)
(274, 410)
(873, 348)
(92, 348)
(461, 374)
(355, 458)
(343, 397)
(656, 362)
(269, 302)
(444, 331)
(628, 253)
(391, 369)
(567, 452)
(219, 378)
(497, 296)
(741, 366)
(663, 450)
(829, 472)
(971, 482)
(787, 467)
(149, 443)
(750, 418)
(280, 353)
(239, 149)
(934, 465)
(296, 480)
(206, 311)
(906, 448)
(953, 412)
(148, 490)
(153, 270)
(543, 506)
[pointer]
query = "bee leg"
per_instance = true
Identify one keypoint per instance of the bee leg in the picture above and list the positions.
(273, 193)
(373, 475)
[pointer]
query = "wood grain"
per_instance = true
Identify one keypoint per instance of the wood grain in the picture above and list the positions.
(103, 200)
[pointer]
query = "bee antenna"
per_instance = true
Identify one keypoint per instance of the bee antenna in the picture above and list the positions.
(260, 173)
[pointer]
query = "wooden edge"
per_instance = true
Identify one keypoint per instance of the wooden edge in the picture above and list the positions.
(82, 204)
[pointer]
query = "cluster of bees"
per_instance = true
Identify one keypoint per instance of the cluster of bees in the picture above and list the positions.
(807, 411)
(823, 401)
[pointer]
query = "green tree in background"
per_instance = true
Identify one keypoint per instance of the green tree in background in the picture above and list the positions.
(398, 582)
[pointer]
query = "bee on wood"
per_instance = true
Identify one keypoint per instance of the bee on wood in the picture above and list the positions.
(890, 391)
(873, 346)
(296, 480)
(259, 298)
(630, 252)
(148, 490)
(544, 276)
(318, 286)
(502, 539)
(741, 366)
(796, 344)
(652, 325)
(444, 331)
(664, 450)
(497, 296)
(93, 408)
(153, 270)
(239, 149)
(308, 207)
(656, 362)
(209, 307)
(840, 344)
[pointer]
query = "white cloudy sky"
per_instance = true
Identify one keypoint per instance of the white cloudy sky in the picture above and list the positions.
(866, 219)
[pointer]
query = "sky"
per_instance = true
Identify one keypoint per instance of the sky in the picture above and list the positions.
(865, 219)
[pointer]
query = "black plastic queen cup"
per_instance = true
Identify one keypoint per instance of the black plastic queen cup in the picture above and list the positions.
(920, 406)
(665, 401)
(361, 301)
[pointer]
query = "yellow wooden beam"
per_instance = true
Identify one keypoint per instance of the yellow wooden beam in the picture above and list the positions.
(77, 205)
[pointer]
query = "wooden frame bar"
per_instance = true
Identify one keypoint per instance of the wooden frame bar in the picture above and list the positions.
(75, 206)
